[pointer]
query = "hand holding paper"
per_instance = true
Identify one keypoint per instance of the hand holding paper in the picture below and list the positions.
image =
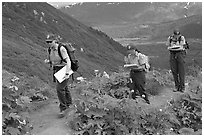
(131, 65)
(61, 74)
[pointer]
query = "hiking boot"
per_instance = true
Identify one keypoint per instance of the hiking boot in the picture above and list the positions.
(176, 90)
(63, 113)
(146, 99)
(182, 90)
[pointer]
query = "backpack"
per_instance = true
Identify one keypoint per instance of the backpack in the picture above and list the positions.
(71, 52)
(186, 45)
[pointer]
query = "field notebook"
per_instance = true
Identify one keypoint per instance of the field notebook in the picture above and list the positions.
(130, 65)
(59, 75)
(175, 48)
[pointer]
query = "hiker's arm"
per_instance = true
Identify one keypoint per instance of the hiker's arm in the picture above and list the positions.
(142, 60)
(168, 42)
(183, 41)
(68, 64)
(65, 56)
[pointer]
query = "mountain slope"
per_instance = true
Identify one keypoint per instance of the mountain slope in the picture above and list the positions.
(24, 29)
(119, 19)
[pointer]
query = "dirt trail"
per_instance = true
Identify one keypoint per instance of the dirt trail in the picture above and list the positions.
(45, 120)
(166, 95)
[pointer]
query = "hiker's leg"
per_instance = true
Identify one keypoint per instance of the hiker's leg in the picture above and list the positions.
(68, 97)
(174, 69)
(61, 90)
(139, 82)
(181, 70)
(132, 76)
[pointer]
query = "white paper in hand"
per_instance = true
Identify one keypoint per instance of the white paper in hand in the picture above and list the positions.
(59, 75)
(130, 65)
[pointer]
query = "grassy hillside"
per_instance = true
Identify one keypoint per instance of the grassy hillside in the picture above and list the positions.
(191, 27)
(24, 29)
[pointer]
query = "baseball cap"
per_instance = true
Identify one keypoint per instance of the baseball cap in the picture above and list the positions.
(132, 47)
(51, 37)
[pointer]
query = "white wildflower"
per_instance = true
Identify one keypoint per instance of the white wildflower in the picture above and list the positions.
(35, 12)
(160, 110)
(14, 79)
(105, 74)
(16, 88)
(41, 19)
(43, 13)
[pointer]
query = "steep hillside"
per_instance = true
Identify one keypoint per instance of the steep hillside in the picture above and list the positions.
(24, 29)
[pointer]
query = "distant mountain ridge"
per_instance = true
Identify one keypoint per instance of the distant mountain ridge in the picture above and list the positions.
(24, 29)
(136, 19)
(100, 13)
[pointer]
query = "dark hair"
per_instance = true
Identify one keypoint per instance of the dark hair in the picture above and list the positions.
(176, 32)
(137, 50)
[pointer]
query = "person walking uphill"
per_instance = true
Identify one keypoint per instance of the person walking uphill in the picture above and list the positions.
(176, 46)
(63, 93)
(137, 71)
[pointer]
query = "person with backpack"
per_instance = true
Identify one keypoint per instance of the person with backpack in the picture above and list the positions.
(177, 46)
(137, 63)
(63, 93)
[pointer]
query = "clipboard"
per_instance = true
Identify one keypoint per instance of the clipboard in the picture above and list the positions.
(130, 65)
(175, 48)
(59, 75)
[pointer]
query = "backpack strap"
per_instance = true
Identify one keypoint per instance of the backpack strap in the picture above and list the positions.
(179, 38)
(49, 51)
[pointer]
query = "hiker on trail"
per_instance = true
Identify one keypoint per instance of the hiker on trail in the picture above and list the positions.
(176, 45)
(137, 71)
(63, 93)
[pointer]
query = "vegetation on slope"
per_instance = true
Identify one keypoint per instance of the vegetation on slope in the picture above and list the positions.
(104, 107)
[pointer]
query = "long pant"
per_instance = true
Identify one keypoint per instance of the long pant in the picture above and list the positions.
(139, 80)
(63, 92)
(177, 64)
